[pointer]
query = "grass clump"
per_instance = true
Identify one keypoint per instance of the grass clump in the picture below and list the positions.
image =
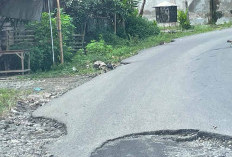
(8, 99)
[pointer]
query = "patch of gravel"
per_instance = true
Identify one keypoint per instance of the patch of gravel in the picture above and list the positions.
(21, 135)
(59, 84)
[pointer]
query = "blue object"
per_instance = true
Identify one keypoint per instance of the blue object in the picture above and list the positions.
(37, 89)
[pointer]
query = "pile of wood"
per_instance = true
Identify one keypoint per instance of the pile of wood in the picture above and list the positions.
(10, 37)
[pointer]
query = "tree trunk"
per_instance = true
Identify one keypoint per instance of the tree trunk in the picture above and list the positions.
(142, 8)
(186, 8)
(210, 11)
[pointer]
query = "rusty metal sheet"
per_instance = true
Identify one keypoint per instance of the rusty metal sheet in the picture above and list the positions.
(21, 9)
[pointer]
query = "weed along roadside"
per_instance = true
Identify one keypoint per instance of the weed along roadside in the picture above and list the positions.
(88, 42)
(112, 50)
(7, 99)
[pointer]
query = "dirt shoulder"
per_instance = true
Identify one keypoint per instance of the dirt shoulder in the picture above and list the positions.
(20, 133)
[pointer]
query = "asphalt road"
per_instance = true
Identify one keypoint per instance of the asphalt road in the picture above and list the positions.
(186, 84)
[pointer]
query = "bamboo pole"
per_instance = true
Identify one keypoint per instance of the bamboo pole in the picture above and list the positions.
(60, 33)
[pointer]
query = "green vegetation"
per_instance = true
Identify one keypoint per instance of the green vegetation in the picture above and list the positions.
(7, 99)
(113, 29)
(98, 11)
(118, 17)
(214, 13)
(140, 27)
(115, 21)
(112, 54)
(183, 19)
(41, 56)
(41, 50)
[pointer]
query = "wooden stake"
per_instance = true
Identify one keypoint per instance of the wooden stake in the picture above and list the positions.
(60, 33)
(115, 23)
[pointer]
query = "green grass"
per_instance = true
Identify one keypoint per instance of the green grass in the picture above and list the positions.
(8, 99)
(84, 63)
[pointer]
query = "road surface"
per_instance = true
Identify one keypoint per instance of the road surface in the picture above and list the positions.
(186, 84)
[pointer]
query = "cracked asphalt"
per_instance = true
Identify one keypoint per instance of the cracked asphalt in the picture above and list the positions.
(186, 84)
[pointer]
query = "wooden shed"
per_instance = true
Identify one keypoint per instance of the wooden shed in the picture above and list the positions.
(17, 61)
(166, 12)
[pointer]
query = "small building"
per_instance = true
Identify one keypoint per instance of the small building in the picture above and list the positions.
(21, 9)
(166, 12)
(17, 61)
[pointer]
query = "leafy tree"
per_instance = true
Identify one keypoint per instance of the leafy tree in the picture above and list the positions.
(214, 14)
(140, 27)
(110, 18)
(81, 11)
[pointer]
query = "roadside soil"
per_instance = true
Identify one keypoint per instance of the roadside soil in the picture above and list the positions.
(20, 133)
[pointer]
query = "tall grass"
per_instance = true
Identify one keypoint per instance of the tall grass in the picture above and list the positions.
(7, 99)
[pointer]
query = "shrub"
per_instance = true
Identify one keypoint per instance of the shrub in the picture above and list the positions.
(140, 27)
(98, 47)
(7, 99)
(95, 50)
(113, 39)
(183, 19)
(41, 53)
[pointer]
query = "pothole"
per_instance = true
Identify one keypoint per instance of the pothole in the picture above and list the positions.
(180, 143)
(27, 136)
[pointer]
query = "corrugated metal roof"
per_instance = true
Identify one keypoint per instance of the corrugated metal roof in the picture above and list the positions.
(22, 9)
(165, 4)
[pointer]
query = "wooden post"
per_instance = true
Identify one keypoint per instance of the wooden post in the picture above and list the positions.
(60, 33)
(29, 62)
(84, 32)
(115, 23)
(22, 62)
(21, 56)
(7, 40)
